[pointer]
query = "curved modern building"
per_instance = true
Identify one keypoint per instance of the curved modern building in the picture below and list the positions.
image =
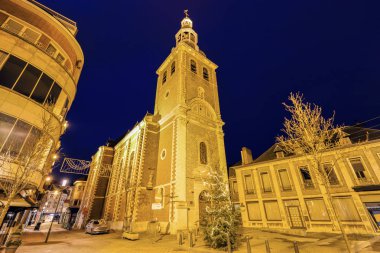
(40, 64)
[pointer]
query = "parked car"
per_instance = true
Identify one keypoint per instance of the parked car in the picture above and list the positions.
(97, 227)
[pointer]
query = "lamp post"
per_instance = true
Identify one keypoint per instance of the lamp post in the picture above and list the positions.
(64, 183)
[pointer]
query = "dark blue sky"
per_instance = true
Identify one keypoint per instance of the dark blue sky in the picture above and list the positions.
(328, 50)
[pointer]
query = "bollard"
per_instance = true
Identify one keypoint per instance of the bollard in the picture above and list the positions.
(248, 245)
(179, 238)
(191, 239)
(228, 243)
(296, 249)
(267, 246)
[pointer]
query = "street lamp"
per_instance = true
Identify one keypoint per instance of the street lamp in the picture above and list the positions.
(64, 183)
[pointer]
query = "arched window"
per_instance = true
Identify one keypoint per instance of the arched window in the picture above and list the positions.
(193, 66)
(164, 78)
(205, 74)
(203, 153)
(172, 68)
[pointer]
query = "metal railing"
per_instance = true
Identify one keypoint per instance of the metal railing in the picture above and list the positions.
(39, 46)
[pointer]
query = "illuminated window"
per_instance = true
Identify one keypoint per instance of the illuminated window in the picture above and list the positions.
(203, 153)
(306, 177)
(172, 68)
(164, 78)
(193, 66)
(205, 74)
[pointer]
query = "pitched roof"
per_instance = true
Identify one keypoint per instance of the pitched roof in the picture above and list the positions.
(356, 134)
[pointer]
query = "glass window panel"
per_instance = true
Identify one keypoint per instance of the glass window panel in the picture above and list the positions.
(248, 184)
(306, 177)
(42, 89)
(266, 182)
(6, 124)
(30, 35)
(358, 167)
(13, 26)
(51, 50)
(346, 209)
(317, 209)
(27, 80)
(54, 93)
(330, 173)
(17, 137)
(272, 211)
(33, 138)
(254, 212)
(60, 58)
(285, 182)
(11, 71)
(3, 57)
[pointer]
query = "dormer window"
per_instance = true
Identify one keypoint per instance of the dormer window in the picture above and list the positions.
(164, 78)
(172, 68)
(193, 66)
(205, 74)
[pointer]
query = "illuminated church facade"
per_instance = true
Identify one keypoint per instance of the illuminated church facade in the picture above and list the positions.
(155, 172)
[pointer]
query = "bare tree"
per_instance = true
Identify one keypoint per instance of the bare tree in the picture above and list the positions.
(310, 135)
(35, 159)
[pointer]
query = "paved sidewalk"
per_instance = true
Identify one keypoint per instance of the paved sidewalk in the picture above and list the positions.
(63, 241)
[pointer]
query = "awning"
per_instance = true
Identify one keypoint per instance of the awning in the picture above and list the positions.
(366, 188)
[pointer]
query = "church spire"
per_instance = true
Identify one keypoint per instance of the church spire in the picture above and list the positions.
(186, 34)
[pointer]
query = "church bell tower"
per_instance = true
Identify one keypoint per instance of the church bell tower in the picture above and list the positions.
(191, 138)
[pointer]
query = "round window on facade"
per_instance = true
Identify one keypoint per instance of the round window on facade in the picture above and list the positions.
(163, 154)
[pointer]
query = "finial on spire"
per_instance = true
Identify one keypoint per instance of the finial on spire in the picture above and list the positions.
(186, 13)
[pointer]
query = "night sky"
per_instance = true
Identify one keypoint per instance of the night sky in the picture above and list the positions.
(328, 50)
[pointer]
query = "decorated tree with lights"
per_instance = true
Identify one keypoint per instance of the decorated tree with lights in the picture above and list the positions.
(221, 220)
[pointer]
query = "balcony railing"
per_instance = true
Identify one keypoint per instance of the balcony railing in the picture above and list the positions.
(37, 45)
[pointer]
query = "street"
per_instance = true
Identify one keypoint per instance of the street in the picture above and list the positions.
(76, 241)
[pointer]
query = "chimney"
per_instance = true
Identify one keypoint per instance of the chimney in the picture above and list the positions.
(246, 155)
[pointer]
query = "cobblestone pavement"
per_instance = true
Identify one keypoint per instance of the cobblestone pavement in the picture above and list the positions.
(62, 241)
